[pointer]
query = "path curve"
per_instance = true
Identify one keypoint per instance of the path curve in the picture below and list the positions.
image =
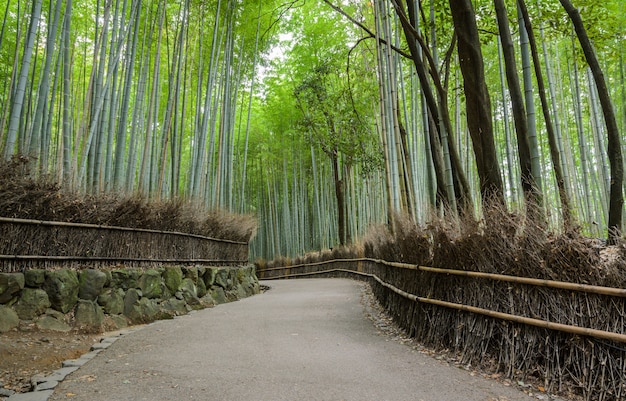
(301, 340)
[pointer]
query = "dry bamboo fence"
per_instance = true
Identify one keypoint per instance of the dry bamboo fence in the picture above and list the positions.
(562, 334)
(28, 244)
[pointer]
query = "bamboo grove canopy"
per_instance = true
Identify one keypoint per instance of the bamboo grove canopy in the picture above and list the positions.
(324, 117)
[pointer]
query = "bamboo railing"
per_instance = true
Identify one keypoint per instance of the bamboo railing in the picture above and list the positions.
(26, 244)
(567, 328)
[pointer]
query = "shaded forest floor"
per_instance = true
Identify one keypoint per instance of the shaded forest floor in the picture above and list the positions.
(28, 352)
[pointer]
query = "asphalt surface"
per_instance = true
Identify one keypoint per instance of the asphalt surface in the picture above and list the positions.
(301, 340)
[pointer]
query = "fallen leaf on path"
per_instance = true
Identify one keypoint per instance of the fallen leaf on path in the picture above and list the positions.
(88, 378)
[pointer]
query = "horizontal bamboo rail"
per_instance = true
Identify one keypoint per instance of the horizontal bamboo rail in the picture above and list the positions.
(113, 228)
(591, 289)
(583, 331)
(115, 259)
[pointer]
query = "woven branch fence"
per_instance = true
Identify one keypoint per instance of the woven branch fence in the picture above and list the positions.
(566, 335)
(27, 244)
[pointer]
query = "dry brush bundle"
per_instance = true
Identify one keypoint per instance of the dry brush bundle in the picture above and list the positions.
(509, 244)
(23, 197)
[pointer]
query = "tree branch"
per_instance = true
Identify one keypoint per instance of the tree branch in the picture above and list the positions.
(366, 29)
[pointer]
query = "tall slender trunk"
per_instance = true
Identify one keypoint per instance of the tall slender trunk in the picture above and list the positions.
(614, 149)
(507, 131)
(582, 144)
(599, 145)
(242, 199)
(67, 128)
(120, 139)
(146, 168)
(553, 140)
(340, 197)
(44, 85)
(18, 99)
(529, 98)
(438, 108)
(529, 184)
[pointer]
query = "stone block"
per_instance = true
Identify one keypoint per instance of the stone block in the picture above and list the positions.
(112, 301)
(91, 284)
(10, 285)
(125, 278)
(173, 277)
(32, 303)
(35, 278)
(88, 316)
(201, 288)
(48, 322)
(8, 319)
(190, 292)
(218, 295)
(130, 299)
(174, 306)
(191, 272)
(209, 276)
(62, 288)
(150, 284)
(221, 278)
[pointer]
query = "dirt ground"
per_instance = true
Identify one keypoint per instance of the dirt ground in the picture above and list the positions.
(29, 351)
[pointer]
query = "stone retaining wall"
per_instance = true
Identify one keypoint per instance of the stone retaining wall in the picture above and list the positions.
(102, 300)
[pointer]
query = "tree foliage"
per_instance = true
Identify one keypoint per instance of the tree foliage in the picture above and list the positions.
(267, 106)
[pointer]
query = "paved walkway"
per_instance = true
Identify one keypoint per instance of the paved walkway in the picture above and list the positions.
(302, 340)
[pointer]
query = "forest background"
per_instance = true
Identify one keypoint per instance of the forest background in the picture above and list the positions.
(324, 118)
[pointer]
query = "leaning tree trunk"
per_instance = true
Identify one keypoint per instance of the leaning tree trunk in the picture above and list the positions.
(529, 184)
(456, 184)
(478, 103)
(614, 151)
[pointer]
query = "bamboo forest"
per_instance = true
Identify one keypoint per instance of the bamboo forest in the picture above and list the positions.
(324, 118)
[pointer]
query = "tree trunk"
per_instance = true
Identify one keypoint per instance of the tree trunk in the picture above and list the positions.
(455, 181)
(340, 196)
(478, 103)
(18, 100)
(44, 86)
(529, 185)
(552, 137)
(614, 150)
(529, 97)
(507, 131)
(67, 127)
